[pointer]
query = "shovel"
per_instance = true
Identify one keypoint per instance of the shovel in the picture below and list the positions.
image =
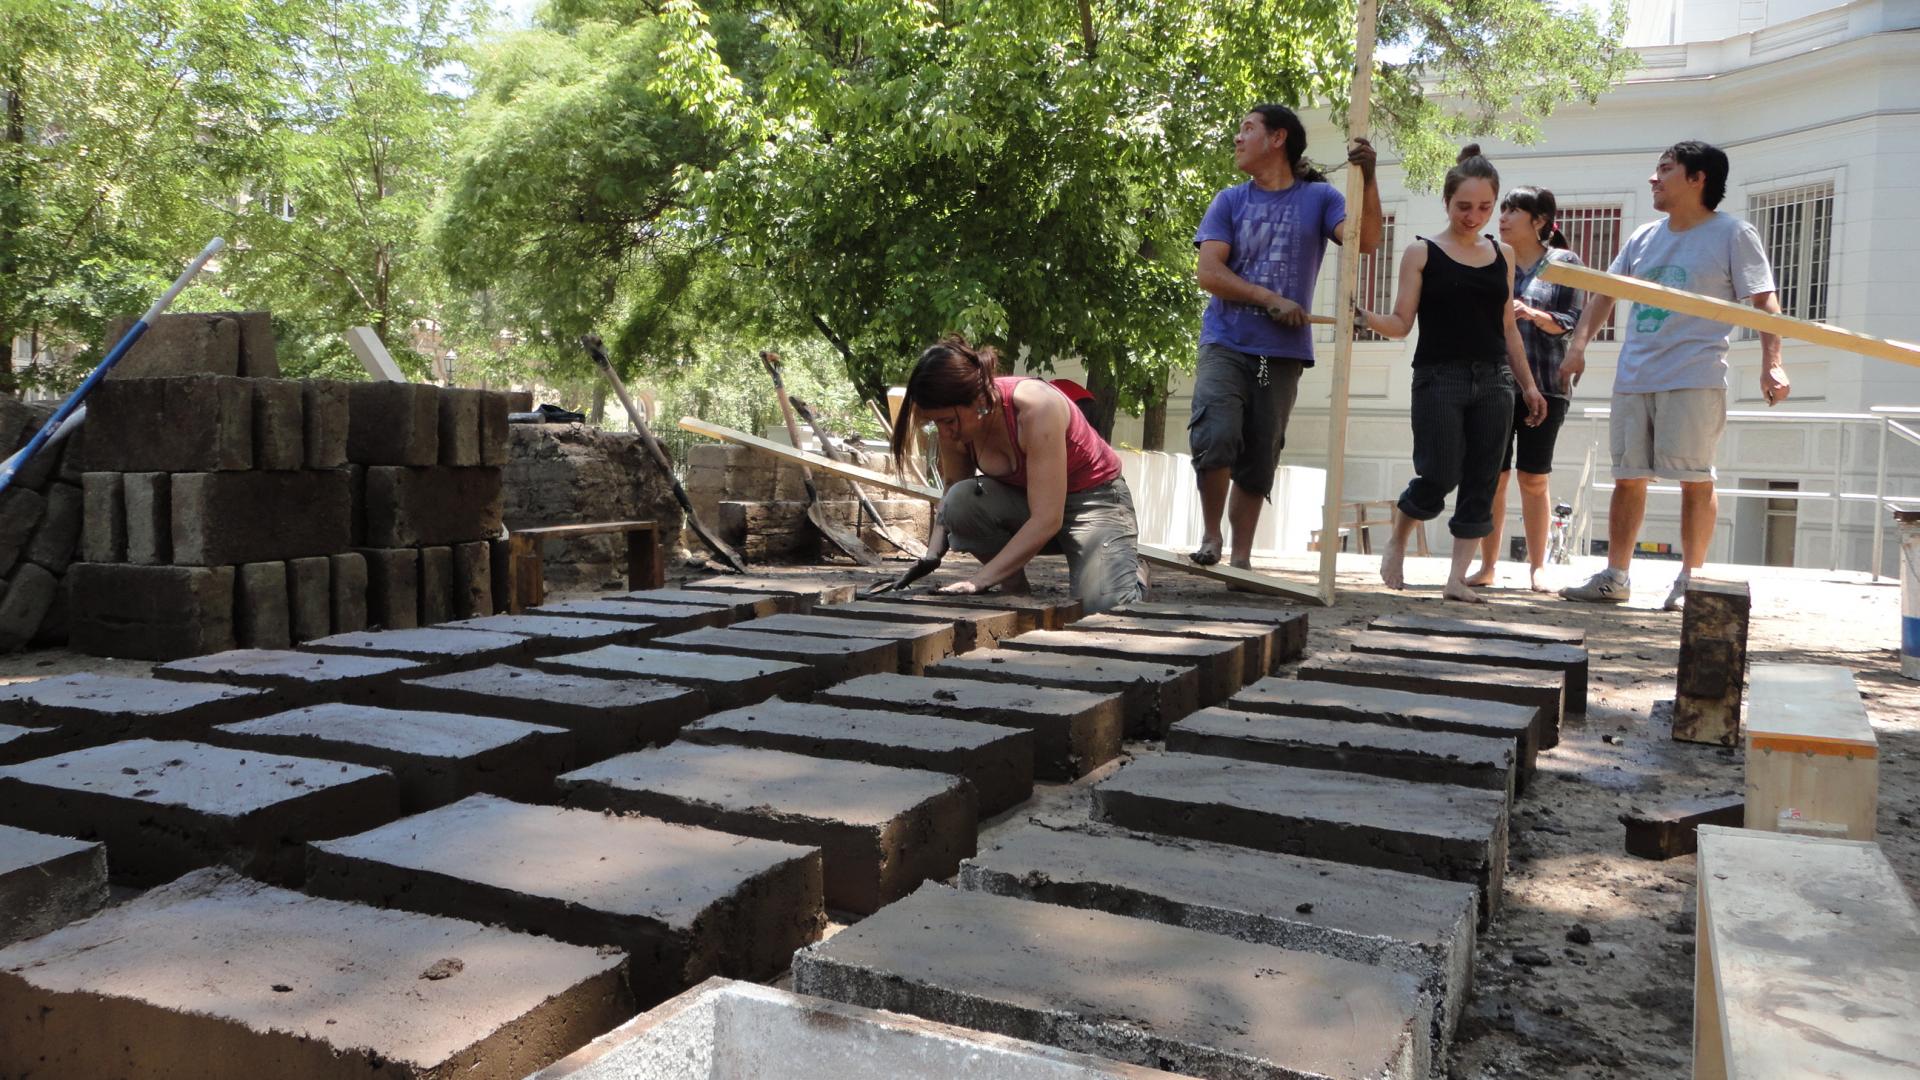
(714, 544)
(836, 535)
(833, 449)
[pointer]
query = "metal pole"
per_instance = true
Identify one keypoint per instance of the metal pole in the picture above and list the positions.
(1839, 480)
(1880, 500)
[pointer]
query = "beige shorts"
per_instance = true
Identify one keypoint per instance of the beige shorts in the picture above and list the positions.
(1670, 434)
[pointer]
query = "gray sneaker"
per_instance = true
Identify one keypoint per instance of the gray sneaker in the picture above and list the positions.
(1601, 588)
(1676, 596)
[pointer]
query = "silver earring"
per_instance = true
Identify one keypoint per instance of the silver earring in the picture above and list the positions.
(986, 411)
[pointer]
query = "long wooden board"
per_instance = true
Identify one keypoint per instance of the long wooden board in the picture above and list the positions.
(1726, 311)
(1155, 556)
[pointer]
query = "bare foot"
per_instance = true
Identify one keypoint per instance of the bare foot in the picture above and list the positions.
(1207, 553)
(1481, 578)
(1458, 590)
(1537, 580)
(1392, 564)
(1240, 564)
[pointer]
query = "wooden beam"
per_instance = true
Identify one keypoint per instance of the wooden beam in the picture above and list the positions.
(372, 354)
(1726, 311)
(1156, 556)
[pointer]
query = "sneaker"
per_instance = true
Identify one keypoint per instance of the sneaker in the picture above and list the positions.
(1677, 596)
(1605, 587)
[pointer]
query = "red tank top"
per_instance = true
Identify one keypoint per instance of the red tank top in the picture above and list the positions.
(1090, 461)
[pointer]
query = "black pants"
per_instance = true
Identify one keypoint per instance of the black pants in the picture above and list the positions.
(1462, 416)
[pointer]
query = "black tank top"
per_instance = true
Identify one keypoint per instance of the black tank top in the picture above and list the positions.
(1462, 310)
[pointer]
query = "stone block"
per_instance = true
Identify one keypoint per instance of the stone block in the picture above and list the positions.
(279, 424)
(436, 758)
(656, 617)
(1152, 696)
(444, 647)
(1669, 831)
(1291, 623)
(165, 808)
(683, 902)
(727, 681)
(261, 618)
(391, 423)
(149, 501)
(548, 634)
(151, 612)
(1713, 662)
(973, 628)
(347, 592)
(472, 581)
(1431, 757)
(1264, 642)
(20, 511)
(1570, 661)
(806, 591)
(324, 414)
(219, 519)
(460, 426)
(738, 605)
(920, 643)
(606, 716)
(420, 507)
(997, 761)
(103, 537)
(19, 743)
(833, 660)
(296, 677)
(197, 423)
(73, 457)
(47, 882)
(52, 544)
(1060, 975)
(1436, 830)
(1221, 664)
(881, 830)
(29, 593)
(1537, 633)
(1074, 732)
(184, 343)
(393, 587)
(436, 585)
(495, 405)
(196, 967)
(57, 623)
(1033, 612)
(1544, 691)
(67, 712)
(499, 559)
(310, 597)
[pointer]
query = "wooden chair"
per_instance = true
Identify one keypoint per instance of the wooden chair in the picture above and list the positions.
(526, 581)
(1358, 524)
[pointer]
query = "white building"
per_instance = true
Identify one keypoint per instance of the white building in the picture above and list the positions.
(1818, 106)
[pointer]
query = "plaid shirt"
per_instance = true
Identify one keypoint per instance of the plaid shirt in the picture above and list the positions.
(1544, 350)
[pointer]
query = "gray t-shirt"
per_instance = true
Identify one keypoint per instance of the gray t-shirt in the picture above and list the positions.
(1665, 350)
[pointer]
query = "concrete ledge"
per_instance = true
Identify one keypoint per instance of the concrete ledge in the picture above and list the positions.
(728, 681)
(1432, 757)
(606, 716)
(1074, 732)
(1222, 664)
(47, 882)
(1152, 695)
(920, 643)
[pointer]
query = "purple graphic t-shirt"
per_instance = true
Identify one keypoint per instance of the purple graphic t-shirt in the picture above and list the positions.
(1277, 239)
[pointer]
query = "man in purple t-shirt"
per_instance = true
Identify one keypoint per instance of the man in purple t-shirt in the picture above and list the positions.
(1260, 248)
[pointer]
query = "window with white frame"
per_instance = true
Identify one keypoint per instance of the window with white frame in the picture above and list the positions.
(1796, 226)
(1377, 269)
(1593, 232)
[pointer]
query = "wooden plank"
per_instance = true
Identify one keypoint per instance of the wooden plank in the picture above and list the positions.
(372, 354)
(1247, 580)
(584, 528)
(1727, 311)
(1807, 960)
(1810, 749)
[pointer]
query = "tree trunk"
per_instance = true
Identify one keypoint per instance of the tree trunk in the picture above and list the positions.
(1153, 419)
(1104, 385)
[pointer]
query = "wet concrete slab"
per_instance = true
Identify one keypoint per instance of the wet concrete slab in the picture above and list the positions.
(297, 678)
(436, 757)
(807, 592)
(1544, 691)
(47, 881)
(882, 830)
(973, 627)
(1291, 622)
(1540, 633)
(997, 761)
(683, 902)
(1222, 664)
(1152, 695)
(1436, 830)
(1033, 612)
(1570, 661)
(444, 647)
(214, 974)
(606, 716)
(740, 605)
(728, 681)
(1184, 1000)
(164, 808)
(1263, 641)
(1427, 757)
(831, 659)
(547, 634)
(67, 712)
(1399, 708)
(660, 618)
(1074, 732)
(920, 643)
(1404, 922)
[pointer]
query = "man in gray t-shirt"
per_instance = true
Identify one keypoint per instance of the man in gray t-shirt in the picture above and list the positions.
(1670, 393)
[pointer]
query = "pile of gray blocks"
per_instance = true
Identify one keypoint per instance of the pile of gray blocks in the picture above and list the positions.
(39, 529)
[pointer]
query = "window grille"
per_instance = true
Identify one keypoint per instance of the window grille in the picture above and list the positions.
(1376, 278)
(1593, 232)
(1796, 227)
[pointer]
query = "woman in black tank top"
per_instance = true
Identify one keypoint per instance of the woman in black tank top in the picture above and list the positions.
(1459, 287)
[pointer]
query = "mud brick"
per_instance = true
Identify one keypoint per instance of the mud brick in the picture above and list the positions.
(296, 678)
(1713, 662)
(472, 580)
(347, 599)
(357, 492)
(436, 585)
(197, 965)
(20, 511)
(183, 343)
(393, 587)
(832, 659)
(920, 643)
(279, 424)
(436, 757)
(658, 618)
(881, 830)
(73, 456)
(1222, 664)
(53, 542)
(324, 417)
(1264, 642)
(606, 716)
(1569, 660)
(973, 628)
(1033, 612)
(151, 612)
(149, 499)
(23, 606)
(391, 423)
(104, 536)
(67, 712)
(1667, 832)
(728, 681)
(220, 519)
(495, 405)
(1544, 691)
(47, 882)
(547, 635)
(165, 808)
(1054, 975)
(1435, 757)
(195, 423)
(261, 619)
(420, 507)
(1437, 830)
(444, 647)
(499, 556)
(1152, 696)
(1074, 732)
(738, 605)
(806, 592)
(685, 903)
(21, 743)
(1292, 624)
(1536, 633)
(1381, 918)
(997, 761)
(460, 426)
(310, 597)
(518, 400)
(259, 352)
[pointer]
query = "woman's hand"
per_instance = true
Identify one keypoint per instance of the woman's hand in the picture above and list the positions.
(1536, 406)
(959, 588)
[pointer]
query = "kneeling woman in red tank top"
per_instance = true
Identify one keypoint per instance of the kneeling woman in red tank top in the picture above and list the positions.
(1025, 474)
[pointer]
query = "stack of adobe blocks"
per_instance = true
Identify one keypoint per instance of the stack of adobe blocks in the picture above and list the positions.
(759, 504)
(39, 525)
(224, 511)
